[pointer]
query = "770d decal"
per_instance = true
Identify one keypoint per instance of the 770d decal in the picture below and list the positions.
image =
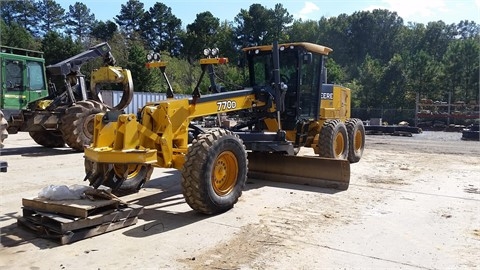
(224, 105)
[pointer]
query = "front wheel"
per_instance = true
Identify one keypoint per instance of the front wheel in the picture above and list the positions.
(333, 141)
(122, 178)
(215, 172)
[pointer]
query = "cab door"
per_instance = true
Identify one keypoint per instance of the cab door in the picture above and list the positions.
(14, 90)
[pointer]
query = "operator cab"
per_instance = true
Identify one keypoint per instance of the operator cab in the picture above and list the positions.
(22, 77)
(301, 72)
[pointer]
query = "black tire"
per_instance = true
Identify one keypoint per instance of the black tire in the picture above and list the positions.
(136, 175)
(47, 138)
(333, 141)
(78, 123)
(215, 172)
(3, 129)
(356, 139)
(193, 132)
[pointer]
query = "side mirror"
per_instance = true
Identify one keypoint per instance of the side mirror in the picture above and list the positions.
(307, 58)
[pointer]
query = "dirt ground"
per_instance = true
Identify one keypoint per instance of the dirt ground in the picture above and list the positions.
(413, 203)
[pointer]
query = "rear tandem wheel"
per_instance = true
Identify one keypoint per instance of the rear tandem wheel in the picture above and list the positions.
(215, 172)
(356, 139)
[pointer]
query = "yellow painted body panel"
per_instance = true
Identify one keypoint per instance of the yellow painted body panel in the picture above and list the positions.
(213, 61)
(338, 107)
(160, 64)
(110, 74)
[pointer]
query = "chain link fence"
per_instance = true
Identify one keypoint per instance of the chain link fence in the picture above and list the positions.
(395, 116)
(391, 116)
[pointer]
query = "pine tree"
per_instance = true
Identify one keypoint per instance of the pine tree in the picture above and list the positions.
(79, 21)
(129, 18)
(51, 16)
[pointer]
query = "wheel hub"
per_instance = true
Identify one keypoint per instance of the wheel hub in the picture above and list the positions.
(358, 140)
(339, 145)
(220, 172)
(225, 173)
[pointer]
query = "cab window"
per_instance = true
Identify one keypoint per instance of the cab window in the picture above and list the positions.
(35, 76)
(309, 85)
(13, 75)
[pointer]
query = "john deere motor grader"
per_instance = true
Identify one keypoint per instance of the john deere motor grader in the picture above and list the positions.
(52, 103)
(280, 112)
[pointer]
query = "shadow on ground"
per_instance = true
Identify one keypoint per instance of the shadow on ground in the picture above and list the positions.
(159, 219)
(36, 151)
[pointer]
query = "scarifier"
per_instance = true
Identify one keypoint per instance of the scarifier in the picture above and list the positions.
(286, 106)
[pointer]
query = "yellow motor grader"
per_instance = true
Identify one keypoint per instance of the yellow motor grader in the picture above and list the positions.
(286, 106)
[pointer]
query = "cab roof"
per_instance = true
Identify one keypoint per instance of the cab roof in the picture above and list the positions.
(20, 52)
(311, 47)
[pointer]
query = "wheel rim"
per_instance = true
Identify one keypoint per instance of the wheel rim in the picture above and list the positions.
(88, 125)
(131, 170)
(339, 147)
(357, 143)
(225, 173)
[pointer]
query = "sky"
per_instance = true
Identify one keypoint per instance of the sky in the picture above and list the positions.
(418, 11)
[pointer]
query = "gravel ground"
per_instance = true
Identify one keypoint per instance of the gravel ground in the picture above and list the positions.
(413, 203)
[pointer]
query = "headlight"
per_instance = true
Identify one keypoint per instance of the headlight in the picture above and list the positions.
(206, 52)
(156, 56)
(149, 56)
(215, 51)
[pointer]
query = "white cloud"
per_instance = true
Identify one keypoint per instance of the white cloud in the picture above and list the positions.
(411, 10)
(308, 8)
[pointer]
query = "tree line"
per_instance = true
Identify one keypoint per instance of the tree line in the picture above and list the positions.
(384, 60)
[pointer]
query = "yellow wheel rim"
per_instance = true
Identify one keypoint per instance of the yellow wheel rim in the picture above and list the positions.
(358, 141)
(339, 145)
(131, 170)
(225, 173)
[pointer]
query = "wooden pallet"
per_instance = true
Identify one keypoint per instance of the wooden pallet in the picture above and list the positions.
(66, 228)
(77, 208)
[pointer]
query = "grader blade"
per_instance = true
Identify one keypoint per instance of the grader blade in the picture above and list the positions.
(303, 170)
